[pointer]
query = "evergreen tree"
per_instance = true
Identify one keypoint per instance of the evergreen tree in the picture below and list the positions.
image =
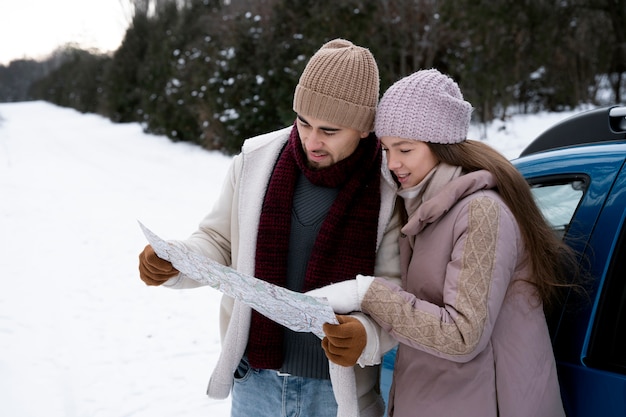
(17, 77)
(123, 94)
(77, 83)
(215, 73)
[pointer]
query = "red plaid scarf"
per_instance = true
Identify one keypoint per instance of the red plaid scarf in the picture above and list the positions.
(345, 245)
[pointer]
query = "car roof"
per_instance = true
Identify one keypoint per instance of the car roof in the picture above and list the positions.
(593, 153)
(605, 124)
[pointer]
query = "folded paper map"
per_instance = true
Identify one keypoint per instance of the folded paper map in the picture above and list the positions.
(296, 311)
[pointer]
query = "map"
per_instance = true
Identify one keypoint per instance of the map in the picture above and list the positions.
(296, 311)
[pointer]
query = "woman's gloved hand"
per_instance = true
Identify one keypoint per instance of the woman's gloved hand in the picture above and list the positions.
(345, 296)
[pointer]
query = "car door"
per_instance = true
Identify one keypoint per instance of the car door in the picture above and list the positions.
(583, 194)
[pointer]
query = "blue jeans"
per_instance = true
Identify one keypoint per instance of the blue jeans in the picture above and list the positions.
(267, 393)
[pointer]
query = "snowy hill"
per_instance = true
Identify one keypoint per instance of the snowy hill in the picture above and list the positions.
(80, 334)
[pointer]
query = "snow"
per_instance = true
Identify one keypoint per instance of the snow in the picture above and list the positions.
(80, 334)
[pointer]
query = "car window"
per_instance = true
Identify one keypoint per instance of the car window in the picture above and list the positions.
(558, 200)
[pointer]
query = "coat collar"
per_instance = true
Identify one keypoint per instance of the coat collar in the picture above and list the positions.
(444, 196)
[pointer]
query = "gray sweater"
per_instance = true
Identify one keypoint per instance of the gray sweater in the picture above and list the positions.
(303, 355)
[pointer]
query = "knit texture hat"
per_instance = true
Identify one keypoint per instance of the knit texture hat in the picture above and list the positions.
(339, 85)
(427, 106)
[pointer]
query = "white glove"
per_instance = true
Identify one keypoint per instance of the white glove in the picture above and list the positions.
(346, 296)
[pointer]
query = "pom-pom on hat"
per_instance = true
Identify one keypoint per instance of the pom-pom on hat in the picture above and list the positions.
(339, 85)
(427, 106)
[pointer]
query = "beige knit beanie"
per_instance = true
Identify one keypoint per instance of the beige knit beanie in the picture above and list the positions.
(427, 106)
(339, 85)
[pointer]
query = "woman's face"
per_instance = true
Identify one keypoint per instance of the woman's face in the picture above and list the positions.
(409, 160)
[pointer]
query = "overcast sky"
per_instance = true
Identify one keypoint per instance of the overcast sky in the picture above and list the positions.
(34, 28)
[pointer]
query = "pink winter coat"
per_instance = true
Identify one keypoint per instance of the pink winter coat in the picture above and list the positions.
(473, 335)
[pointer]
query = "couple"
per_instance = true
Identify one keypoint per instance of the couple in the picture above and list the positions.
(455, 270)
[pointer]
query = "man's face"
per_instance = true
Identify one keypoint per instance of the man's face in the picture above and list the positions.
(325, 143)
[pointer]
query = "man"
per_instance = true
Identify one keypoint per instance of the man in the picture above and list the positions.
(302, 207)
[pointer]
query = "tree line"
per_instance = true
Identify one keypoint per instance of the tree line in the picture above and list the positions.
(215, 72)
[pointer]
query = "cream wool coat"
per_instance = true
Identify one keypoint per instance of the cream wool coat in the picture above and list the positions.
(473, 336)
(228, 235)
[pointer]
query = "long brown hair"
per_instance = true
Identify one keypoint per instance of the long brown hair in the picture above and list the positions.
(550, 257)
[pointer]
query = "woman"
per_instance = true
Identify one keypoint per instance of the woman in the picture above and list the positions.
(479, 264)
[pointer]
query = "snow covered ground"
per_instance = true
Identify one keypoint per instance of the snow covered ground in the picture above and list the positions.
(80, 334)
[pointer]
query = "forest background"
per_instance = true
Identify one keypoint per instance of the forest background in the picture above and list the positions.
(216, 72)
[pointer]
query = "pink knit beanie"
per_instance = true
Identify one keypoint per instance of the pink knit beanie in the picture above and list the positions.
(339, 85)
(427, 106)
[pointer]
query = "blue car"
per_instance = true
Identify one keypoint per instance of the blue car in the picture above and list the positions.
(577, 172)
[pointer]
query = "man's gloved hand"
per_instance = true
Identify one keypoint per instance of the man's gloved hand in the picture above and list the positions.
(154, 270)
(345, 296)
(344, 342)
